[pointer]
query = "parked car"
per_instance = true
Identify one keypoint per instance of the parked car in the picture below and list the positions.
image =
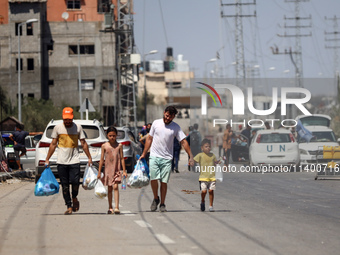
(275, 148)
(130, 147)
(30, 143)
(314, 120)
(312, 152)
(94, 136)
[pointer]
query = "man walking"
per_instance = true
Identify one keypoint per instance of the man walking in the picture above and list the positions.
(161, 139)
(227, 143)
(66, 135)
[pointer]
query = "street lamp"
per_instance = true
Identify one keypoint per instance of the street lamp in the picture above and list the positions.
(206, 63)
(144, 71)
(19, 65)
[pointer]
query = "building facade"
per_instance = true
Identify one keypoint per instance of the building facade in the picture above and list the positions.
(72, 40)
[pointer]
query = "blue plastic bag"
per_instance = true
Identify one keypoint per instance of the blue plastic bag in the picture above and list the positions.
(47, 184)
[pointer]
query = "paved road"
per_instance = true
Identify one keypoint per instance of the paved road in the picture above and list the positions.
(272, 213)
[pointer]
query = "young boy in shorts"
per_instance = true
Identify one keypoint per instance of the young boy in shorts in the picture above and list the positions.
(207, 162)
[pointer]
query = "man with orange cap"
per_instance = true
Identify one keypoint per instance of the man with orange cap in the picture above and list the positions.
(66, 135)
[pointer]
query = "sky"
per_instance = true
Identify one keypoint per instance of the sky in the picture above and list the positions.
(195, 29)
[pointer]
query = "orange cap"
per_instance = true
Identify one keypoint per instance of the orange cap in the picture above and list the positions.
(67, 113)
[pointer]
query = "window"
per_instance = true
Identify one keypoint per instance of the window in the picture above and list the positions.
(50, 82)
(29, 29)
(73, 4)
(30, 64)
(17, 32)
(87, 84)
(83, 49)
(108, 85)
(31, 95)
(17, 66)
(103, 6)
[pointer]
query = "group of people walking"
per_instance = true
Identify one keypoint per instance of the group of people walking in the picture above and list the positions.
(158, 147)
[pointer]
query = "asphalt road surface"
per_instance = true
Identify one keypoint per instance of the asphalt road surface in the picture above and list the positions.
(272, 213)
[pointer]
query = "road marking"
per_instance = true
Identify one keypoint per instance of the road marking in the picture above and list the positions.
(324, 206)
(128, 213)
(164, 239)
(143, 224)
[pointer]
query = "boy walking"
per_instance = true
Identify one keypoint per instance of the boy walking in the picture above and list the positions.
(207, 161)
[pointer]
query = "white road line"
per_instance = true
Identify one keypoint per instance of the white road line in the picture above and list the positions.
(143, 224)
(128, 213)
(164, 239)
(324, 206)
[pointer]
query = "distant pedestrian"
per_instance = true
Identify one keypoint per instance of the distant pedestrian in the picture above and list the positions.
(112, 152)
(162, 133)
(247, 133)
(65, 136)
(219, 142)
(175, 159)
(227, 144)
(267, 125)
(143, 140)
(207, 161)
(18, 137)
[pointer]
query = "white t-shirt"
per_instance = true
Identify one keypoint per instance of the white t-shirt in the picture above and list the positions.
(68, 153)
(163, 138)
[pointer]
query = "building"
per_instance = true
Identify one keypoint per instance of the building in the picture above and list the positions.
(69, 36)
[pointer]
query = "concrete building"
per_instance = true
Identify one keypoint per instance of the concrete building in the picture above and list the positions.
(49, 52)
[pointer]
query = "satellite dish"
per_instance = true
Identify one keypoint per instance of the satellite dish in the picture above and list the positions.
(65, 15)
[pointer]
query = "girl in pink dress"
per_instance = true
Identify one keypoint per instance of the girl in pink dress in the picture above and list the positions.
(114, 162)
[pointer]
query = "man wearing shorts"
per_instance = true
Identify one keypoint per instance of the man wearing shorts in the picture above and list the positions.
(161, 139)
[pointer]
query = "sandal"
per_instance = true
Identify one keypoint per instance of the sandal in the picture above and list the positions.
(116, 211)
(76, 205)
(110, 211)
(68, 211)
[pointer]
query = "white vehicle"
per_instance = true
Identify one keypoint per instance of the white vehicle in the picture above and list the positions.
(274, 147)
(314, 120)
(94, 136)
(312, 152)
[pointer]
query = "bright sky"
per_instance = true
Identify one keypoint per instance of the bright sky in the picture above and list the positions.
(194, 28)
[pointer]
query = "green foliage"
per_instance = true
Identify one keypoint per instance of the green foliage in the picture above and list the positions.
(141, 106)
(37, 113)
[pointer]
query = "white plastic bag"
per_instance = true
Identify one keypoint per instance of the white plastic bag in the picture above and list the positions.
(139, 177)
(90, 178)
(100, 190)
(219, 171)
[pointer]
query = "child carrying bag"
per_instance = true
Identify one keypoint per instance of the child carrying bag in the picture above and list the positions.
(47, 184)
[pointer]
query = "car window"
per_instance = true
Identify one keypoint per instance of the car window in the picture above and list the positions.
(131, 136)
(91, 132)
(315, 121)
(121, 134)
(275, 138)
(28, 142)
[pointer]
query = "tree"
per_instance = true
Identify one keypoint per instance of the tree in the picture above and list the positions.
(141, 105)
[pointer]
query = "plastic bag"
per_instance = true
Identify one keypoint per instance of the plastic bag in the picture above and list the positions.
(47, 184)
(100, 190)
(219, 171)
(90, 178)
(139, 177)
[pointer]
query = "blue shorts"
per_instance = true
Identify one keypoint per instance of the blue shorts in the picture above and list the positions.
(160, 168)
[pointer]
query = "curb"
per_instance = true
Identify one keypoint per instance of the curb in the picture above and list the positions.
(28, 173)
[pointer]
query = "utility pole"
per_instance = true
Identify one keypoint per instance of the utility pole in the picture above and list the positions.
(298, 35)
(126, 65)
(239, 51)
(333, 42)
